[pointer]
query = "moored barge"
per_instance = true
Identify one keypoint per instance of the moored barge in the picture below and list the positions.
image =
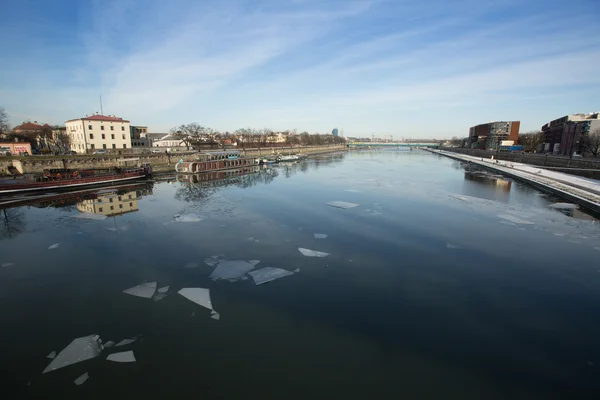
(213, 161)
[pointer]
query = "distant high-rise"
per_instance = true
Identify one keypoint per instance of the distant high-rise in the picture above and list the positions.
(334, 132)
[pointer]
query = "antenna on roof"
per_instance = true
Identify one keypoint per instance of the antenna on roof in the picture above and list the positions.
(101, 110)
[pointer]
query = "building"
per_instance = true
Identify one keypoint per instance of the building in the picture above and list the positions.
(16, 148)
(168, 141)
(139, 136)
(111, 204)
(566, 135)
(491, 135)
(334, 132)
(97, 132)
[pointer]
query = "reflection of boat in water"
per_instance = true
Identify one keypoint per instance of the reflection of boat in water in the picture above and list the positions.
(291, 157)
(57, 179)
(70, 198)
(212, 161)
(217, 175)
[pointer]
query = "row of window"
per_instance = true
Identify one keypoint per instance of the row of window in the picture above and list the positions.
(101, 209)
(112, 136)
(114, 146)
(112, 128)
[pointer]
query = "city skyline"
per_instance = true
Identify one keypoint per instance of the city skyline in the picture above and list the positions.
(431, 69)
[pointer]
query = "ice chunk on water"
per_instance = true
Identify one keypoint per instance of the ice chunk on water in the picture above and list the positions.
(164, 289)
(81, 380)
(564, 206)
(125, 342)
(8, 264)
(254, 262)
(228, 269)
(214, 260)
(86, 215)
(320, 236)
(78, 350)
(199, 296)
(145, 290)
(159, 296)
(109, 344)
(216, 316)
(268, 274)
(312, 253)
(514, 219)
(297, 270)
(342, 204)
(190, 217)
(51, 355)
(54, 246)
(452, 246)
(123, 357)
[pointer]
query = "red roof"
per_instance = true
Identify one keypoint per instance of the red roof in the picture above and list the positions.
(30, 126)
(100, 118)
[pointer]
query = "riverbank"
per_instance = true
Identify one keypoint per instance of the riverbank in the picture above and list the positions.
(586, 167)
(582, 191)
(159, 162)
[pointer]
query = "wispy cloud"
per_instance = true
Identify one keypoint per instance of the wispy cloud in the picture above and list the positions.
(364, 65)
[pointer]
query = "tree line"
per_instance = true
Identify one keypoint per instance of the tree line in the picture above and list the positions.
(194, 134)
(47, 138)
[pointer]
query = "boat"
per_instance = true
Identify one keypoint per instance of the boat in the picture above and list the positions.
(212, 161)
(57, 179)
(291, 157)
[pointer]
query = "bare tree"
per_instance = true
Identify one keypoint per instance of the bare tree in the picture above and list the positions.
(592, 143)
(4, 127)
(531, 140)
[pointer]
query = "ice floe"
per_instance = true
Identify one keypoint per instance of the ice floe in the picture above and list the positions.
(54, 246)
(214, 260)
(564, 206)
(125, 342)
(342, 204)
(80, 349)
(268, 274)
(312, 253)
(8, 264)
(109, 344)
(514, 219)
(200, 296)
(215, 315)
(254, 262)
(231, 269)
(145, 290)
(191, 217)
(164, 289)
(123, 357)
(320, 236)
(81, 380)
(86, 215)
(52, 355)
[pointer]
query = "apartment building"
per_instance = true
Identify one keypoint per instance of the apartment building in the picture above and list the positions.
(97, 132)
(490, 136)
(566, 135)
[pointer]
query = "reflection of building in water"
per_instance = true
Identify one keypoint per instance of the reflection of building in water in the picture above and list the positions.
(489, 180)
(111, 203)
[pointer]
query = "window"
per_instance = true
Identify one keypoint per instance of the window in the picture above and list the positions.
(124, 146)
(112, 135)
(92, 146)
(112, 208)
(90, 127)
(122, 128)
(104, 146)
(103, 136)
(110, 199)
(101, 127)
(129, 196)
(120, 205)
(100, 209)
(112, 128)
(130, 204)
(91, 135)
(123, 136)
(114, 146)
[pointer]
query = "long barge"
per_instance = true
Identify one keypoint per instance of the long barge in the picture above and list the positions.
(213, 161)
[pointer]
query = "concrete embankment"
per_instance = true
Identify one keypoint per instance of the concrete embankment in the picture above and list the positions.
(582, 191)
(160, 162)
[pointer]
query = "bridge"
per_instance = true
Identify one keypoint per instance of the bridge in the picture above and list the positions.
(393, 144)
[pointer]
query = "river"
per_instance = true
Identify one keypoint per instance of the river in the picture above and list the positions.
(443, 281)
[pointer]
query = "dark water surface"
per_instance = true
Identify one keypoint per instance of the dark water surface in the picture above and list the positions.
(442, 283)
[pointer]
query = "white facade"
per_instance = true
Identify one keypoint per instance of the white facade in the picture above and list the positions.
(99, 132)
(168, 141)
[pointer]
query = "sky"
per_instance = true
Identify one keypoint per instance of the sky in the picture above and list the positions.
(410, 69)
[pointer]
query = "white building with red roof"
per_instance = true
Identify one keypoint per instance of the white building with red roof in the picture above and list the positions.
(98, 132)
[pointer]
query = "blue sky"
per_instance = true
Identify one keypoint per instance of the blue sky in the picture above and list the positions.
(428, 68)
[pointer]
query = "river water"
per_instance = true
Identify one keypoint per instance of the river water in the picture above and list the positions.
(444, 282)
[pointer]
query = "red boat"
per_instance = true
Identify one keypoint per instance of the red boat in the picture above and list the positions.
(63, 179)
